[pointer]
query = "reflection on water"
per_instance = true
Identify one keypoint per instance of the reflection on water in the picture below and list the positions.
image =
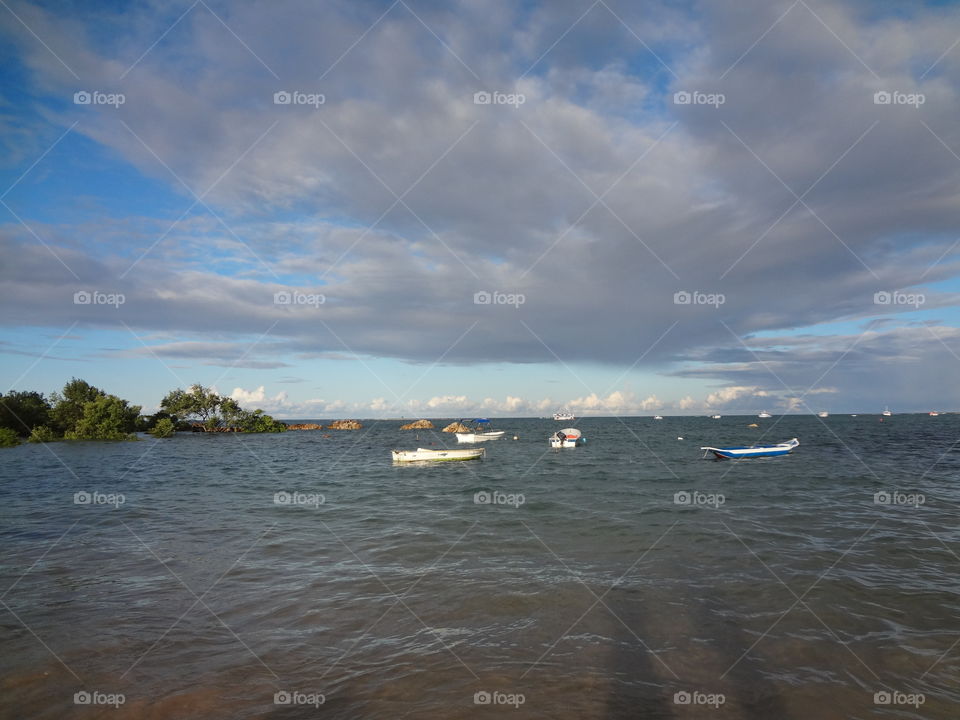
(802, 593)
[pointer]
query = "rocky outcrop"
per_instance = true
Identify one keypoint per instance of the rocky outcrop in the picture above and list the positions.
(304, 426)
(418, 425)
(344, 425)
(456, 427)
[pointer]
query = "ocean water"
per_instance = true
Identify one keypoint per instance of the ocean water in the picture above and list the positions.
(628, 578)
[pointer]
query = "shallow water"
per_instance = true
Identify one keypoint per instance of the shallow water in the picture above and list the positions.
(789, 592)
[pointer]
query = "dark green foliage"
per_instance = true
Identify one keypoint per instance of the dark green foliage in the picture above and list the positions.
(164, 428)
(259, 422)
(105, 418)
(42, 434)
(69, 406)
(22, 411)
(8, 438)
(203, 405)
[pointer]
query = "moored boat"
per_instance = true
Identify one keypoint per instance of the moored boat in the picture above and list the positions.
(478, 433)
(737, 452)
(428, 455)
(566, 438)
(563, 415)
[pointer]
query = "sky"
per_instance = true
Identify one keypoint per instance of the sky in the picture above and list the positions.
(439, 209)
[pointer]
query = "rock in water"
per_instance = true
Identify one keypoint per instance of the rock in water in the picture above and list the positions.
(456, 427)
(418, 425)
(344, 425)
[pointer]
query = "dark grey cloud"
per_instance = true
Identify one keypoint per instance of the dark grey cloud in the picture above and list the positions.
(694, 197)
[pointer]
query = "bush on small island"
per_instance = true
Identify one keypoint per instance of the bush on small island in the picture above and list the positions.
(42, 434)
(8, 438)
(215, 413)
(106, 418)
(163, 428)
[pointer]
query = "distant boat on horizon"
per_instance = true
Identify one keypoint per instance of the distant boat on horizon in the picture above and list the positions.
(933, 413)
(823, 414)
(764, 414)
(886, 412)
(563, 415)
(658, 417)
(715, 417)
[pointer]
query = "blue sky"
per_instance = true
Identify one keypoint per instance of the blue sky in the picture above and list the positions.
(812, 227)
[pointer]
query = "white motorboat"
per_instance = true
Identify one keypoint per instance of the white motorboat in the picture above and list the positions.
(478, 433)
(715, 417)
(823, 414)
(658, 417)
(567, 438)
(764, 414)
(563, 415)
(886, 412)
(933, 413)
(428, 455)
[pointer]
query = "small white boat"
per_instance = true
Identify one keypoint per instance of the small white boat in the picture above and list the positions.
(428, 455)
(563, 415)
(479, 434)
(715, 417)
(752, 451)
(567, 438)
(933, 413)
(658, 417)
(764, 414)
(823, 414)
(886, 412)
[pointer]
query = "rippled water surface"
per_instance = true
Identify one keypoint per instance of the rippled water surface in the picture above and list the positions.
(788, 588)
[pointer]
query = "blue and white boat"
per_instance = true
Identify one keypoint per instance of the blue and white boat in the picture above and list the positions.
(752, 451)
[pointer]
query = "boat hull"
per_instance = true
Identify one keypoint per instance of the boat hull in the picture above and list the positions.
(427, 455)
(738, 453)
(566, 438)
(479, 437)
